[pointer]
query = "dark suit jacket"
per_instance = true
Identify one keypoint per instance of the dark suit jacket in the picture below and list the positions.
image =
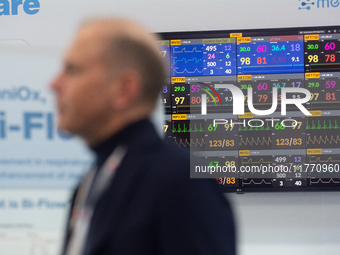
(153, 207)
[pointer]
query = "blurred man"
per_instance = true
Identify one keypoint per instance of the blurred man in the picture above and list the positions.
(138, 198)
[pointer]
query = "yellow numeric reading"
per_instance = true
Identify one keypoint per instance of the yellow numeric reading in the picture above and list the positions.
(314, 96)
(287, 141)
(313, 58)
(245, 61)
(227, 180)
(179, 100)
(227, 126)
(298, 125)
(163, 53)
(230, 163)
(166, 127)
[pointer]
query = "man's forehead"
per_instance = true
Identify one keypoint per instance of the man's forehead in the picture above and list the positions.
(85, 45)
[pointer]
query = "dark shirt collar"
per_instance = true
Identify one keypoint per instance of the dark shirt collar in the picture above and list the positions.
(105, 148)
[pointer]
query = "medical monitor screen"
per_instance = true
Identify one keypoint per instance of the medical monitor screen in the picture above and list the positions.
(260, 108)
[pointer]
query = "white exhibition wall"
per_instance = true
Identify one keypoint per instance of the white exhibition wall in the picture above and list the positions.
(56, 21)
(39, 166)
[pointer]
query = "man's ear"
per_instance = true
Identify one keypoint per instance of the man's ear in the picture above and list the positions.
(126, 89)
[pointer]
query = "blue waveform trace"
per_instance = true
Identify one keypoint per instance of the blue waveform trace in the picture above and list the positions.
(186, 61)
(193, 50)
(185, 70)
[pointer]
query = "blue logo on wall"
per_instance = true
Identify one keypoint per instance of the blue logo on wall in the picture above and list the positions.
(11, 7)
(307, 4)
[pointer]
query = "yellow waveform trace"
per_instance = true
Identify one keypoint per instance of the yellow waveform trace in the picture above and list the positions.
(328, 160)
(325, 140)
(186, 142)
(263, 181)
(258, 141)
(320, 180)
(254, 162)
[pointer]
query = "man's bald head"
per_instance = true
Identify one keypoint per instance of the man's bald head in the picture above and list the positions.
(111, 77)
(110, 28)
(127, 45)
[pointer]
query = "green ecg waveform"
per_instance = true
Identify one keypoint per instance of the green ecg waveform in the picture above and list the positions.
(184, 129)
(322, 124)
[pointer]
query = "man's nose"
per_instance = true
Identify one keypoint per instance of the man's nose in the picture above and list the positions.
(56, 83)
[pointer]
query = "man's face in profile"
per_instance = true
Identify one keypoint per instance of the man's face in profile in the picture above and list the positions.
(81, 88)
